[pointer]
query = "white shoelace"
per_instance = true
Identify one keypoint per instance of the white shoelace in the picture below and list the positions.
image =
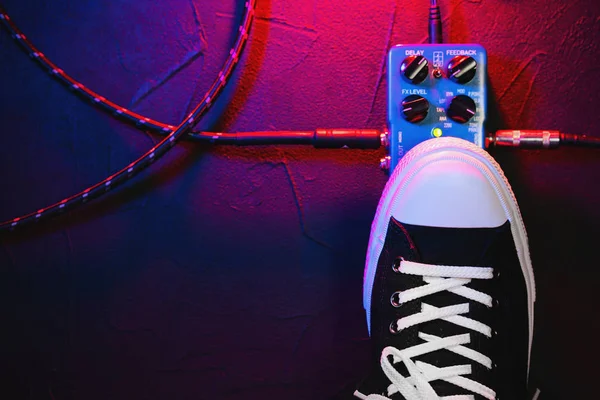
(416, 386)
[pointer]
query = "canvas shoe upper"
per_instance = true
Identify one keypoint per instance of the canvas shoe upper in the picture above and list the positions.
(448, 285)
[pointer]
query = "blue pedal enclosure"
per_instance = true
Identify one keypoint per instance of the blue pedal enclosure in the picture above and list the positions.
(435, 90)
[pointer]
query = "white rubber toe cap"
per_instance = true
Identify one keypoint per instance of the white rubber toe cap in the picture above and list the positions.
(448, 182)
(449, 193)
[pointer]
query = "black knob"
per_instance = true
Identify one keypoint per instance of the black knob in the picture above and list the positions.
(461, 109)
(415, 69)
(415, 108)
(462, 69)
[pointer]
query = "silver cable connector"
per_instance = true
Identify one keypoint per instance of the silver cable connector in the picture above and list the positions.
(524, 138)
(385, 139)
(385, 163)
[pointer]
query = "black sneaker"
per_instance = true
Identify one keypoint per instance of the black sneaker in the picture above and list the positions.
(448, 285)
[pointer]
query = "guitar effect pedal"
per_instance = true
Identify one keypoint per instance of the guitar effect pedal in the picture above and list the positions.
(434, 90)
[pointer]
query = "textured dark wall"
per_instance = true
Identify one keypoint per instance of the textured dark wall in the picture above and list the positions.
(236, 273)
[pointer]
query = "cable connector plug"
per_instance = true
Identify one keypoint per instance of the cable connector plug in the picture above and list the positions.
(319, 138)
(538, 139)
(524, 138)
(435, 23)
(351, 138)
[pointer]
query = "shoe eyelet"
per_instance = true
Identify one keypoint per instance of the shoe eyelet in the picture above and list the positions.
(496, 303)
(394, 328)
(395, 300)
(396, 264)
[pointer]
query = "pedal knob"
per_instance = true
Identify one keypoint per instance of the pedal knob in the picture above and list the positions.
(415, 69)
(462, 69)
(415, 108)
(461, 109)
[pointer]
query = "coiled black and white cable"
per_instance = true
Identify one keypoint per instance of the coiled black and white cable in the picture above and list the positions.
(122, 113)
(157, 151)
